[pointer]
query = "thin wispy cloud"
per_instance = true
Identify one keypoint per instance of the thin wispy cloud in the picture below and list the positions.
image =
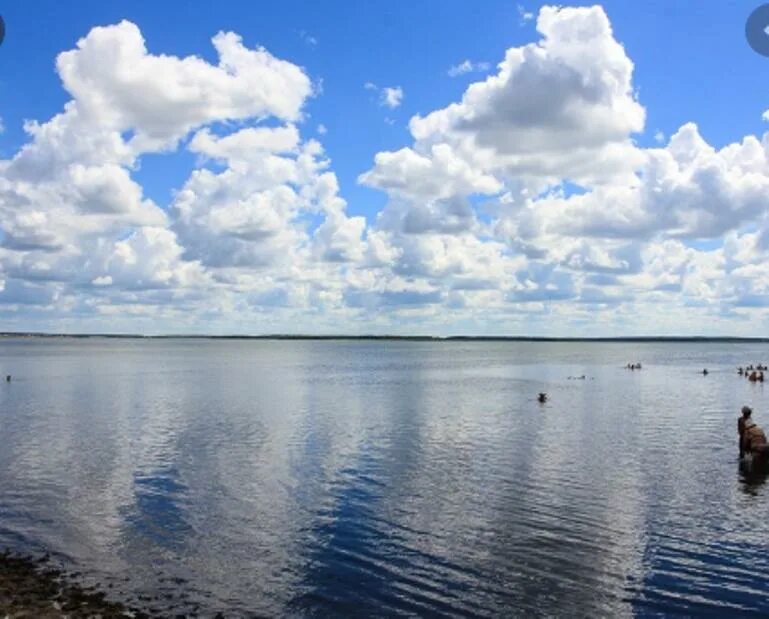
(524, 16)
(392, 97)
(308, 38)
(467, 66)
(388, 96)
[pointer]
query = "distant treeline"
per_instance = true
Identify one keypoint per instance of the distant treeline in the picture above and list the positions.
(412, 338)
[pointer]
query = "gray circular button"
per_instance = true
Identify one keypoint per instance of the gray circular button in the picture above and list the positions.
(757, 30)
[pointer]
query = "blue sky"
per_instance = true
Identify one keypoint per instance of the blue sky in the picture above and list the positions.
(690, 64)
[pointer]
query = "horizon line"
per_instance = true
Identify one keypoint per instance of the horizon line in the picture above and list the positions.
(435, 338)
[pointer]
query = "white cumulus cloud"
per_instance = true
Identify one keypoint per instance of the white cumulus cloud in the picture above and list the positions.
(525, 205)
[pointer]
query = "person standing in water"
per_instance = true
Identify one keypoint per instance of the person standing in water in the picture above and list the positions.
(752, 437)
(746, 411)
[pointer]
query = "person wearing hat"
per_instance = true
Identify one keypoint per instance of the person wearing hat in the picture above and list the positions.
(752, 437)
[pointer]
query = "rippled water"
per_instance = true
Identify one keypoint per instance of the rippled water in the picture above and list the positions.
(387, 478)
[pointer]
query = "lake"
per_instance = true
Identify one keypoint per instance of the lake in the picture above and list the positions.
(316, 478)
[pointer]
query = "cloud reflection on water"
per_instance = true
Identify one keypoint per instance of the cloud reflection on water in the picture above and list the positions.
(332, 477)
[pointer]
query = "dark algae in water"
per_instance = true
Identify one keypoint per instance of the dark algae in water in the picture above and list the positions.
(32, 588)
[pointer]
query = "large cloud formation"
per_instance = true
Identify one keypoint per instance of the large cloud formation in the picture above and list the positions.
(526, 206)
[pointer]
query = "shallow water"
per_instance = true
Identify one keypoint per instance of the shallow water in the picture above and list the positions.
(388, 478)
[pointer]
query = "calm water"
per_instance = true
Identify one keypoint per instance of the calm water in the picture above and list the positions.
(401, 478)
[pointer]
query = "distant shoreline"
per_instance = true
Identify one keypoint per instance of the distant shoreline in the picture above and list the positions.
(414, 338)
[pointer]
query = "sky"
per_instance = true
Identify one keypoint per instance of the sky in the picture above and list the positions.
(491, 168)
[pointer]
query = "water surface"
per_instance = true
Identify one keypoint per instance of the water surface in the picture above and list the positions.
(388, 478)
